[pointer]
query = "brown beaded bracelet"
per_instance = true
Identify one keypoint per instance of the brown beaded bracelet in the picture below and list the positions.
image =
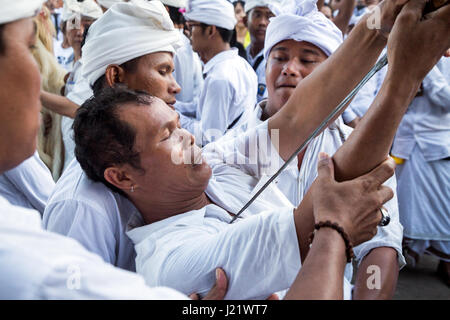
(348, 244)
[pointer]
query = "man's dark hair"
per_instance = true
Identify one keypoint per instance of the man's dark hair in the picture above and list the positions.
(102, 139)
(175, 15)
(224, 33)
(129, 66)
(2, 45)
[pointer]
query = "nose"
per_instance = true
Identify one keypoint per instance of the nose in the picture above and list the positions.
(174, 87)
(292, 68)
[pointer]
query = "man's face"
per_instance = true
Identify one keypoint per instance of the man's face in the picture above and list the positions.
(19, 94)
(289, 62)
(74, 31)
(258, 20)
(154, 75)
(199, 38)
(168, 153)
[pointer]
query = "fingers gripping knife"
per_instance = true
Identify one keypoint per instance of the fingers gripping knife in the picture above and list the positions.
(430, 6)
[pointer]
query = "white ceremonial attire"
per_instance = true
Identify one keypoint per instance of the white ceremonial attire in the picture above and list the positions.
(362, 101)
(260, 63)
(229, 89)
(423, 140)
(259, 252)
(188, 74)
(77, 91)
(295, 183)
(28, 185)
(37, 264)
(94, 215)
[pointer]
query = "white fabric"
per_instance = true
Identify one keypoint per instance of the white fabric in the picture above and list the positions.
(77, 91)
(13, 10)
(229, 89)
(175, 3)
(423, 139)
(188, 74)
(362, 101)
(28, 185)
(427, 121)
(219, 13)
(94, 215)
(259, 252)
(108, 3)
(295, 183)
(260, 73)
(250, 4)
(86, 8)
(37, 264)
(310, 25)
(127, 31)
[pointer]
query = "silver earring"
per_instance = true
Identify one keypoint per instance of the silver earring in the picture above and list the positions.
(132, 189)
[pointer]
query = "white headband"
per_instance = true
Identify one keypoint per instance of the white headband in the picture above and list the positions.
(127, 31)
(108, 3)
(175, 3)
(250, 4)
(87, 8)
(218, 13)
(12, 10)
(300, 20)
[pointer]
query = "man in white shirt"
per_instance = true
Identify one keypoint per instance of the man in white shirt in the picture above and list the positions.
(37, 264)
(257, 19)
(230, 83)
(293, 56)
(422, 144)
(185, 200)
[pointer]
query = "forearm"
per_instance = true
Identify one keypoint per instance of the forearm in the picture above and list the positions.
(335, 77)
(377, 275)
(321, 275)
(370, 142)
(59, 104)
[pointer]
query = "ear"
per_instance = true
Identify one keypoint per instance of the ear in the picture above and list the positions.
(119, 178)
(114, 74)
(212, 31)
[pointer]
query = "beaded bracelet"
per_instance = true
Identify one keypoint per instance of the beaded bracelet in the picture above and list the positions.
(348, 244)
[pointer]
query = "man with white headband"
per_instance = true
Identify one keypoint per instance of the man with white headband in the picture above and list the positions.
(293, 54)
(257, 19)
(230, 84)
(186, 205)
(106, 4)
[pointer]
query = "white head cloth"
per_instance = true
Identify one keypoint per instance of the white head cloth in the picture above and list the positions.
(300, 20)
(108, 3)
(127, 31)
(12, 10)
(250, 4)
(175, 3)
(87, 8)
(218, 13)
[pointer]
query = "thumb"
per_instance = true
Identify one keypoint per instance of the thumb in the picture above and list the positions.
(219, 290)
(325, 167)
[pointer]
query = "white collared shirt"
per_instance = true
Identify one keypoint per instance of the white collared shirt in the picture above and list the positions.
(229, 89)
(28, 185)
(427, 120)
(37, 264)
(259, 252)
(94, 215)
(295, 183)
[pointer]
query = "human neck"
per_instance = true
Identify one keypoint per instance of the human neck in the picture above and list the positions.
(255, 48)
(215, 50)
(153, 211)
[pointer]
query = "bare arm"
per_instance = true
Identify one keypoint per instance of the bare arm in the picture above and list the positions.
(367, 286)
(345, 13)
(59, 104)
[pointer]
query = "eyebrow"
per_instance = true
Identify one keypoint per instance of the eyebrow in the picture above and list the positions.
(170, 122)
(311, 51)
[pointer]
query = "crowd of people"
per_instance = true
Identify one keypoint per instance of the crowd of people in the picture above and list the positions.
(134, 132)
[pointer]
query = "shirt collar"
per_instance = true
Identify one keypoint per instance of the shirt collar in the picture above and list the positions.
(218, 58)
